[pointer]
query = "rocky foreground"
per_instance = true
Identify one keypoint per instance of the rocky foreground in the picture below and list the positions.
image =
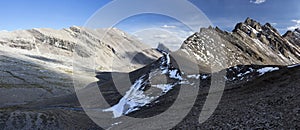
(264, 97)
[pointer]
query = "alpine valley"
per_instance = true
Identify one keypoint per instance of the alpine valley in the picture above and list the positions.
(259, 67)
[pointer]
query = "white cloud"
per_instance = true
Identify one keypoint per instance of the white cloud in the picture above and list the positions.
(296, 21)
(257, 1)
(161, 36)
(171, 38)
(167, 26)
(171, 34)
(297, 25)
(273, 24)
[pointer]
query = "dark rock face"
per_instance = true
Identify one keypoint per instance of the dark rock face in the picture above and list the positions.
(293, 36)
(249, 43)
(162, 48)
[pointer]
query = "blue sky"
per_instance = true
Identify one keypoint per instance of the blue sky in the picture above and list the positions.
(226, 13)
(26, 14)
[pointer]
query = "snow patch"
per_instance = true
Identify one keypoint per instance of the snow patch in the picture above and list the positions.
(133, 99)
(242, 74)
(266, 69)
(164, 87)
(175, 74)
(136, 98)
(195, 76)
(292, 66)
(255, 31)
(166, 68)
(204, 76)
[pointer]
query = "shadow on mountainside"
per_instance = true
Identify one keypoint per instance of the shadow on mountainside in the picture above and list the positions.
(25, 81)
(266, 101)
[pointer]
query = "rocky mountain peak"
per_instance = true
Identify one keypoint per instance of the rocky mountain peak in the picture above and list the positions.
(266, 34)
(255, 29)
(293, 36)
(289, 33)
(254, 24)
(162, 48)
(268, 28)
(297, 30)
(249, 43)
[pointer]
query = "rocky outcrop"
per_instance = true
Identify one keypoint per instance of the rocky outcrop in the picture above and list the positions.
(293, 36)
(249, 43)
(162, 48)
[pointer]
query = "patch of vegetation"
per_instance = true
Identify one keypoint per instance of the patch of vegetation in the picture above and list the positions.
(69, 71)
(100, 68)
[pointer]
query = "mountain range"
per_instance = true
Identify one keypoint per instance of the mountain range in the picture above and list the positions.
(258, 66)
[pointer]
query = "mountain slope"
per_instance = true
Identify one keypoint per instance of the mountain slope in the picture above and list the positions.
(266, 95)
(40, 63)
(105, 46)
(249, 43)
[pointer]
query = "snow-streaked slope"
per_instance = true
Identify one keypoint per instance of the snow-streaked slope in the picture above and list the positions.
(136, 97)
